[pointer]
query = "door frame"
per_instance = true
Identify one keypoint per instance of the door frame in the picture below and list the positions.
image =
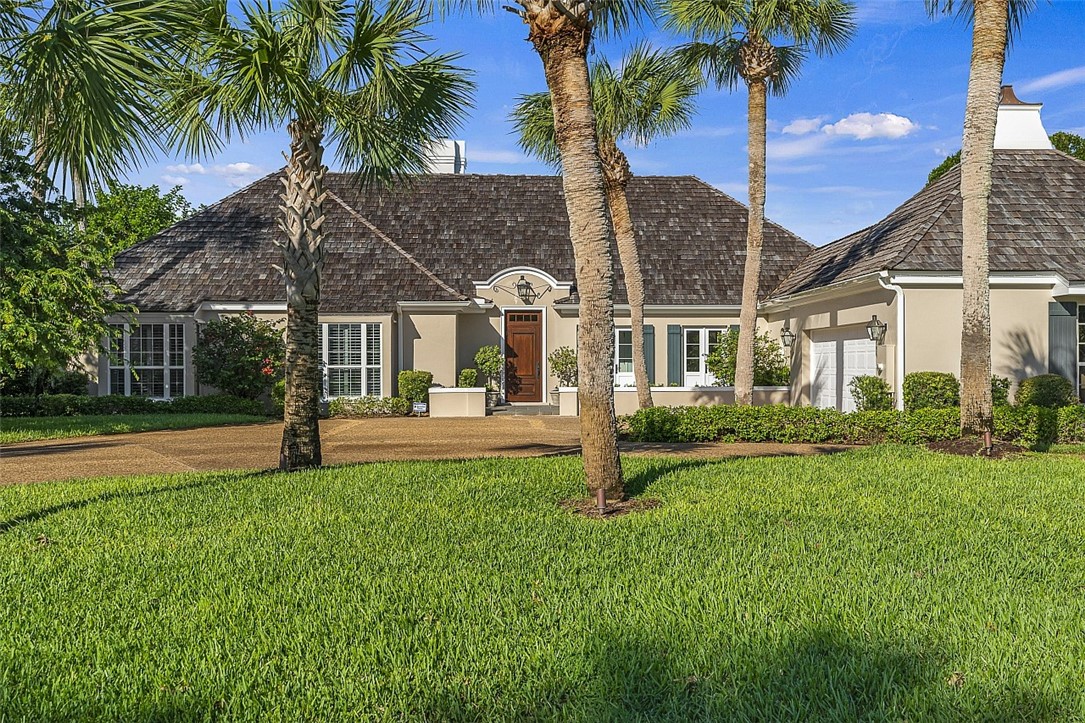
(545, 375)
(703, 373)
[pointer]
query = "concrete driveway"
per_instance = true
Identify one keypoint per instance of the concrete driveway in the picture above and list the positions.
(256, 446)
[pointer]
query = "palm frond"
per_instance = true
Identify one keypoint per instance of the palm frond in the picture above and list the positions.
(533, 118)
(965, 10)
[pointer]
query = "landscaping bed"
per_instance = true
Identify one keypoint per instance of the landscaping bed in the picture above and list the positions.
(885, 583)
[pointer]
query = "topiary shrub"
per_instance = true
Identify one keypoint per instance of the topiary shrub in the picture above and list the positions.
(490, 361)
(468, 378)
(931, 390)
(369, 407)
(414, 385)
(770, 369)
(1000, 391)
(1045, 390)
(239, 355)
(871, 393)
(563, 365)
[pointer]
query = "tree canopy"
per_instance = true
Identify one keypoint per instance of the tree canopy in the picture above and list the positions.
(125, 214)
(1068, 143)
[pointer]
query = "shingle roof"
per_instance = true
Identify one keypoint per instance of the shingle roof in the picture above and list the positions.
(439, 234)
(1036, 223)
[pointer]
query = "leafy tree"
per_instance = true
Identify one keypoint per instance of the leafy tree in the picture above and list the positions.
(993, 22)
(54, 294)
(320, 67)
(761, 43)
(650, 95)
(240, 355)
(125, 214)
(561, 32)
(770, 367)
(1068, 143)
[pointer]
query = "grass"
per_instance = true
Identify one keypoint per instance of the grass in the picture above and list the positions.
(27, 429)
(886, 583)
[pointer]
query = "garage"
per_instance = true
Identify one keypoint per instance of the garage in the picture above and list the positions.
(838, 357)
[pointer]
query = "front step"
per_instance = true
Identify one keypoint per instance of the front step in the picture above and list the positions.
(524, 409)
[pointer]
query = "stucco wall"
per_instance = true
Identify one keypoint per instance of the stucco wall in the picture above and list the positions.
(429, 343)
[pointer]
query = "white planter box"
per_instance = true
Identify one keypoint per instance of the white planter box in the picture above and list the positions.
(457, 402)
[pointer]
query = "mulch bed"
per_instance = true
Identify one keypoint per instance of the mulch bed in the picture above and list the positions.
(973, 447)
(587, 507)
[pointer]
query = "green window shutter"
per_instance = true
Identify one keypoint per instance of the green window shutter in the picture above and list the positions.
(674, 354)
(650, 352)
(1062, 339)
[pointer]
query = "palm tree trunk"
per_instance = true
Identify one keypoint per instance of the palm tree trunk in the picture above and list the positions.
(616, 176)
(755, 224)
(563, 45)
(977, 154)
(302, 216)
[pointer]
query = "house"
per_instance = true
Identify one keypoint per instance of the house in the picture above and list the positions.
(421, 275)
(906, 270)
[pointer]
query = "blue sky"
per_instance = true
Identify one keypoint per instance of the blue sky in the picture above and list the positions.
(854, 138)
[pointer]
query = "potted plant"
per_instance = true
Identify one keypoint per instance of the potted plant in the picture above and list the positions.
(489, 360)
(563, 365)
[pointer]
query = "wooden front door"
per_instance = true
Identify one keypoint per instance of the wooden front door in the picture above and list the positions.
(523, 356)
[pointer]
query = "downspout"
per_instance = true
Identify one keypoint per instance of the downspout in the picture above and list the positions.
(898, 384)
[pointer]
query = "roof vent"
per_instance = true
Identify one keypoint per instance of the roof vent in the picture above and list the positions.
(446, 156)
(1019, 125)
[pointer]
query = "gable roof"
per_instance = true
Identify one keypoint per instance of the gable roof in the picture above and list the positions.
(1036, 222)
(432, 238)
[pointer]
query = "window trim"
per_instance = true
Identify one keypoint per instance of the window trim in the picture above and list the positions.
(702, 341)
(365, 366)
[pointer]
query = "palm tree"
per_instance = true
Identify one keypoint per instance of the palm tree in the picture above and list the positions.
(650, 95)
(993, 23)
(328, 69)
(561, 32)
(762, 43)
(84, 80)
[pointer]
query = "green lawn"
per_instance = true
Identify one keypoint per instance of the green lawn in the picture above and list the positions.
(851, 586)
(26, 429)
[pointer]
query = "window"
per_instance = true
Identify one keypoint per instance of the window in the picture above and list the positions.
(623, 358)
(352, 360)
(1081, 351)
(147, 360)
(699, 343)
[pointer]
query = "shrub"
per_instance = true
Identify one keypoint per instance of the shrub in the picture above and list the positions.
(414, 385)
(563, 364)
(369, 407)
(18, 406)
(1000, 391)
(1072, 424)
(39, 380)
(931, 390)
(1032, 426)
(490, 362)
(468, 378)
(215, 404)
(871, 393)
(278, 398)
(770, 369)
(1045, 390)
(71, 405)
(239, 355)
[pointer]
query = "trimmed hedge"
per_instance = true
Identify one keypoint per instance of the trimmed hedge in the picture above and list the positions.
(414, 385)
(369, 407)
(1046, 390)
(71, 405)
(1029, 426)
(1072, 424)
(931, 390)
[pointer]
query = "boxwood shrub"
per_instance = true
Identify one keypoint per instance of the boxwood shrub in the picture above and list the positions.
(70, 405)
(1045, 390)
(369, 407)
(414, 385)
(931, 390)
(1072, 424)
(1029, 426)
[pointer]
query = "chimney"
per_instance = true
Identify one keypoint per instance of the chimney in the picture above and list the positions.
(1019, 125)
(446, 156)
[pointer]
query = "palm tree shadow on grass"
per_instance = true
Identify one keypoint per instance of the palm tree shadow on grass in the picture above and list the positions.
(207, 480)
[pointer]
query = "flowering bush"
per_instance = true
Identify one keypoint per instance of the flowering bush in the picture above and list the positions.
(240, 355)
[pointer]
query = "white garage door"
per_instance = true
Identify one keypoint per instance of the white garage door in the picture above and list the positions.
(836, 363)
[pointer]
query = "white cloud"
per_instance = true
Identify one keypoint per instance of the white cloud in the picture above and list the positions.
(174, 180)
(863, 126)
(488, 155)
(799, 148)
(237, 169)
(710, 131)
(802, 126)
(1051, 81)
(187, 168)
